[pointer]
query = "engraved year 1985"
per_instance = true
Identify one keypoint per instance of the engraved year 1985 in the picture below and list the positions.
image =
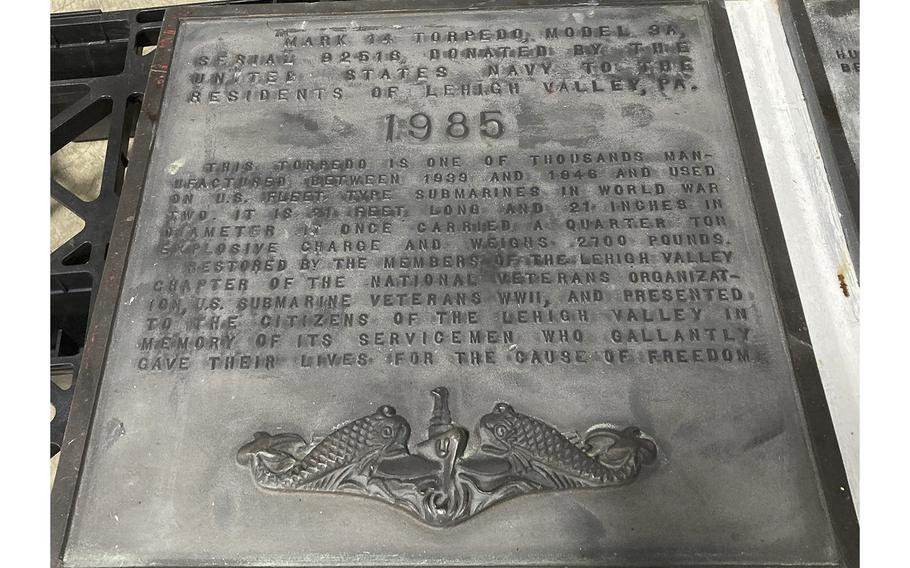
(457, 125)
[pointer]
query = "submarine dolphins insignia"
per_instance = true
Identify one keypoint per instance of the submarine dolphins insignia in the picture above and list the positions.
(441, 480)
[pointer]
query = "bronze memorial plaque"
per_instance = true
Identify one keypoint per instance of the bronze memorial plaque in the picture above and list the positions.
(411, 283)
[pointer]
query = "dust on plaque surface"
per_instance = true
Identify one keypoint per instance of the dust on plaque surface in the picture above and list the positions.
(477, 286)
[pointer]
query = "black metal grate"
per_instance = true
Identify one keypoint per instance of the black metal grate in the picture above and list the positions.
(98, 75)
(99, 66)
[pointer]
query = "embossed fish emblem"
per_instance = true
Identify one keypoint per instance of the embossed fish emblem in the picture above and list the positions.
(443, 480)
(540, 453)
(286, 461)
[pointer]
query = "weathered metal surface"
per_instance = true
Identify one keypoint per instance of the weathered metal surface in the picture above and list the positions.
(824, 39)
(548, 209)
(515, 455)
(835, 25)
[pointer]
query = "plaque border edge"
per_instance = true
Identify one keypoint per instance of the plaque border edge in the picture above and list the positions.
(839, 164)
(828, 461)
(819, 426)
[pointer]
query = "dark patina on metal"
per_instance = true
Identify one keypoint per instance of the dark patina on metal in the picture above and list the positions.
(558, 211)
(514, 455)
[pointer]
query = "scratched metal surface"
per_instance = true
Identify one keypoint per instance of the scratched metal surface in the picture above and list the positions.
(735, 482)
(78, 166)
